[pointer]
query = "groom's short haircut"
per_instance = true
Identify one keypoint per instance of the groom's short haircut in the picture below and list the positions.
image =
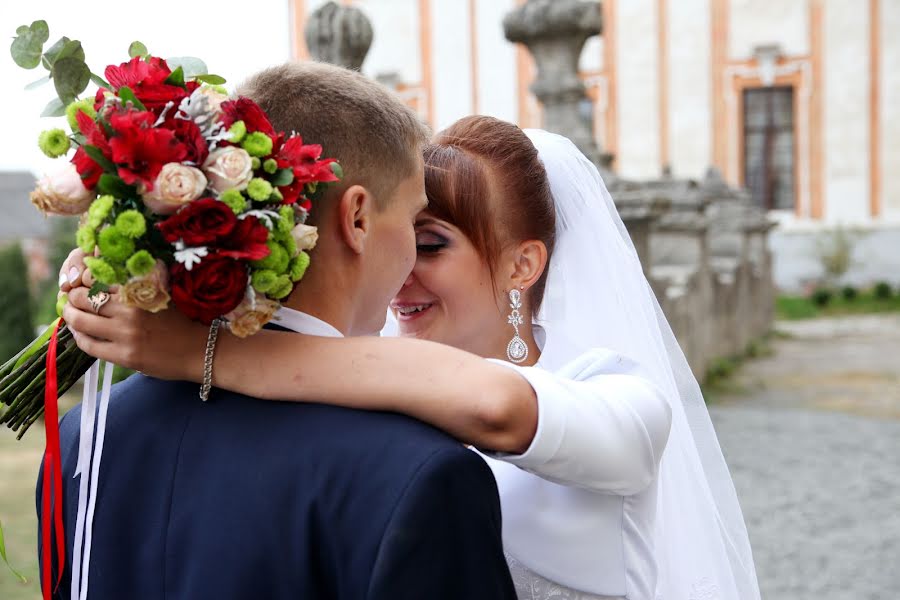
(377, 139)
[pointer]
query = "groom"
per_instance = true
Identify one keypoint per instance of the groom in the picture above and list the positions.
(240, 498)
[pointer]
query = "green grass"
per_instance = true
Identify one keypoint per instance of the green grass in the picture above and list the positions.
(719, 380)
(793, 308)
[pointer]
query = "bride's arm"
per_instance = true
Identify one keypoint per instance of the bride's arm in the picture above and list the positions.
(474, 400)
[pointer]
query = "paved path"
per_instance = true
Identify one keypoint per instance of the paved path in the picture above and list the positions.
(813, 440)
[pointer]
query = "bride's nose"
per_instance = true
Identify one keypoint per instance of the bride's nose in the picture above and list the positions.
(409, 280)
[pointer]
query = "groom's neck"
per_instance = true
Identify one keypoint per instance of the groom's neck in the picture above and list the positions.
(324, 299)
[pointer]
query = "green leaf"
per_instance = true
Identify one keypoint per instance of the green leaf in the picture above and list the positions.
(28, 44)
(114, 186)
(97, 156)
(70, 77)
(36, 84)
(97, 288)
(127, 95)
(282, 177)
(64, 48)
(137, 49)
(35, 345)
(210, 79)
(54, 108)
(18, 575)
(338, 170)
(176, 77)
(99, 81)
(190, 65)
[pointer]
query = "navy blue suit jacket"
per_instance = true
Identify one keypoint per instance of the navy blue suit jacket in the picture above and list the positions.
(241, 498)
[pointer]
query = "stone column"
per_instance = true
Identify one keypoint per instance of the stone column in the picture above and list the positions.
(340, 35)
(555, 31)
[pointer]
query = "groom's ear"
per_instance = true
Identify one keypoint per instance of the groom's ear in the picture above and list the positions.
(355, 210)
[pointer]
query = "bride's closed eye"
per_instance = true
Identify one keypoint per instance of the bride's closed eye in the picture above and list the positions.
(428, 242)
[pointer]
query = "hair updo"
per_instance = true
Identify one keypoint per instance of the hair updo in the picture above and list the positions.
(483, 176)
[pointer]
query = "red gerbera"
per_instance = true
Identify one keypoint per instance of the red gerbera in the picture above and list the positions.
(140, 150)
(247, 240)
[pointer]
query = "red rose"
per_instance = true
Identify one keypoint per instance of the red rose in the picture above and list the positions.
(248, 111)
(140, 150)
(210, 289)
(203, 222)
(247, 240)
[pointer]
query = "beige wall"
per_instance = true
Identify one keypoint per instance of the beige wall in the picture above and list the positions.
(890, 109)
(756, 22)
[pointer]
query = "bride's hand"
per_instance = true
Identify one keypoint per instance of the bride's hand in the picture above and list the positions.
(71, 270)
(166, 344)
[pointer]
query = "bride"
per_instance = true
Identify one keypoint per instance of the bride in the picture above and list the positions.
(612, 482)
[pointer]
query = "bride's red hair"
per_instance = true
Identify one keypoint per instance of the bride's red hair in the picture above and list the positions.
(483, 176)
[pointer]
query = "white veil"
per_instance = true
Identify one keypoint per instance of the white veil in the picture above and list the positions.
(597, 296)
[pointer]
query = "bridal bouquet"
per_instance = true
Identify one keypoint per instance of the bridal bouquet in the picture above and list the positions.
(187, 197)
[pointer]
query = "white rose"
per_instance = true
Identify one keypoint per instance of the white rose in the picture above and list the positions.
(175, 186)
(228, 168)
(306, 236)
(62, 193)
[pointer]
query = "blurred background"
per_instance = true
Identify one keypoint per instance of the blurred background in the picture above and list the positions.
(751, 147)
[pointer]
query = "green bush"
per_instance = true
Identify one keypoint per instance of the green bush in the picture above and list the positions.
(15, 303)
(62, 241)
(883, 290)
(822, 297)
(849, 293)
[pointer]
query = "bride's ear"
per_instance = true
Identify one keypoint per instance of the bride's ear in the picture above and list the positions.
(355, 209)
(529, 262)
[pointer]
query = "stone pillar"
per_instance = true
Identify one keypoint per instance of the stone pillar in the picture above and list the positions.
(340, 35)
(555, 31)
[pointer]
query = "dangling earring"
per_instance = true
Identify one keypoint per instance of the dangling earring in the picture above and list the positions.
(517, 349)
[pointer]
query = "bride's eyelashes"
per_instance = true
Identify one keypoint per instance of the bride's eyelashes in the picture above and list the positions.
(430, 243)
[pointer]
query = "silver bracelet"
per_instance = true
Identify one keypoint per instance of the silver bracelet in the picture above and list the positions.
(208, 359)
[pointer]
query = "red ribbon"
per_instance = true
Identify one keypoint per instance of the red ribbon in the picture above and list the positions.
(52, 484)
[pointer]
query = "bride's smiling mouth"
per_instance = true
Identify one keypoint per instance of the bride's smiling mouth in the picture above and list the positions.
(407, 311)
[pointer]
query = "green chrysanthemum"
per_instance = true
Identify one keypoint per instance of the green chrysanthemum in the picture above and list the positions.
(277, 260)
(257, 144)
(238, 131)
(235, 200)
(286, 221)
(54, 142)
(255, 163)
(282, 288)
(86, 106)
(259, 189)
(270, 166)
(289, 243)
(102, 271)
(131, 224)
(298, 266)
(263, 280)
(99, 210)
(140, 263)
(114, 245)
(86, 238)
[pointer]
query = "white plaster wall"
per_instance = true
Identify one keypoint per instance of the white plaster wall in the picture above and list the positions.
(638, 90)
(690, 113)
(239, 47)
(756, 22)
(591, 58)
(846, 112)
(395, 46)
(497, 79)
(451, 52)
(890, 108)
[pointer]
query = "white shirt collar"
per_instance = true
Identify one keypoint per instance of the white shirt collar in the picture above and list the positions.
(304, 323)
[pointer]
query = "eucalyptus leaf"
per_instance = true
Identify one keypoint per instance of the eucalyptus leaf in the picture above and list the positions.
(97, 156)
(127, 95)
(176, 77)
(137, 49)
(63, 48)
(36, 84)
(99, 81)
(338, 170)
(71, 76)
(210, 79)
(52, 53)
(18, 575)
(190, 65)
(54, 108)
(283, 177)
(28, 44)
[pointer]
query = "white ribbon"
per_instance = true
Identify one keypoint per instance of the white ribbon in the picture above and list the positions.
(90, 452)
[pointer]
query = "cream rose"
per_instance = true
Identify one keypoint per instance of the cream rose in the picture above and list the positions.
(175, 186)
(149, 292)
(251, 314)
(306, 236)
(228, 168)
(62, 193)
